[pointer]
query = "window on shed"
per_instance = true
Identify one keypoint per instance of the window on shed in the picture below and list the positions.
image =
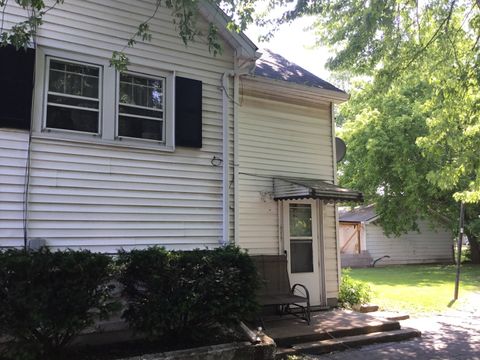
(141, 107)
(16, 77)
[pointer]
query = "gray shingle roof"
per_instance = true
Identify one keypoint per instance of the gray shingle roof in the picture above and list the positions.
(276, 67)
(359, 214)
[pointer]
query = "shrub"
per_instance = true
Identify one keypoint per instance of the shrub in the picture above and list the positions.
(352, 292)
(47, 298)
(185, 294)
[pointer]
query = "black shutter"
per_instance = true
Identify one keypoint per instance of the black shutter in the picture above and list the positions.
(188, 112)
(16, 87)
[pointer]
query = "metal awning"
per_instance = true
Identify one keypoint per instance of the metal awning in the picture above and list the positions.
(299, 188)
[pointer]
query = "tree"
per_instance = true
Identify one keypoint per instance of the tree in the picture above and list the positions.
(413, 127)
(184, 14)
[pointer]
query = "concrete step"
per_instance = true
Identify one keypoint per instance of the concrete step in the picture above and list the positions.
(390, 315)
(347, 342)
(368, 308)
(351, 330)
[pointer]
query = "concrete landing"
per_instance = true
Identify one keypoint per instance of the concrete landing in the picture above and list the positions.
(332, 330)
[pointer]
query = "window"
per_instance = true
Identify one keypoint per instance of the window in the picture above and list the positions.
(141, 107)
(301, 238)
(73, 96)
(84, 99)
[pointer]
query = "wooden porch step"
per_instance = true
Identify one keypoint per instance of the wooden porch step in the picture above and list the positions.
(347, 342)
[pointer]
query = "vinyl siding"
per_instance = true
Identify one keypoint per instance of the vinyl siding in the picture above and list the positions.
(428, 246)
(102, 196)
(13, 159)
(278, 138)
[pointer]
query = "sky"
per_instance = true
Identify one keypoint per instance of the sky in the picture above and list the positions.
(294, 44)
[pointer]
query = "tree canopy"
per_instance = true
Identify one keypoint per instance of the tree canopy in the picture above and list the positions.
(412, 127)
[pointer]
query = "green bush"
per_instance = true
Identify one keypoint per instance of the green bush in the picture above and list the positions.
(47, 298)
(352, 292)
(178, 295)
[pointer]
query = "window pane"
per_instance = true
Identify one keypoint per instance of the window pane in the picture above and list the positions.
(301, 256)
(73, 84)
(140, 95)
(57, 65)
(73, 79)
(57, 81)
(300, 220)
(155, 94)
(140, 128)
(126, 93)
(72, 119)
(90, 87)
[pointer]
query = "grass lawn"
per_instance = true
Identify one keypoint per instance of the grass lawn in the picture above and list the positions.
(419, 289)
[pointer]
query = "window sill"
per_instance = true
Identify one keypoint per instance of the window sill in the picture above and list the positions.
(97, 141)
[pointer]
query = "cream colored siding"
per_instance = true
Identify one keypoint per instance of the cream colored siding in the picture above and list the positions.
(13, 159)
(330, 241)
(277, 138)
(428, 246)
(86, 194)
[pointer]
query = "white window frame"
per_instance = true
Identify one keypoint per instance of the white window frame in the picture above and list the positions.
(108, 96)
(164, 108)
(168, 142)
(46, 93)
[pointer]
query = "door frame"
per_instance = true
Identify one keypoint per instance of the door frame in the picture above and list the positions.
(283, 217)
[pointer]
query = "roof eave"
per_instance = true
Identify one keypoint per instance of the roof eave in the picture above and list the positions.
(245, 48)
(264, 85)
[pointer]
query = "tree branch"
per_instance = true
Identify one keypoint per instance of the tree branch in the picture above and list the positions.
(434, 36)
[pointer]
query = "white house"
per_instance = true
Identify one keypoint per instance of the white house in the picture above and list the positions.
(362, 241)
(185, 150)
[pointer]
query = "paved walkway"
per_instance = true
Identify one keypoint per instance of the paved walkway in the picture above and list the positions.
(453, 335)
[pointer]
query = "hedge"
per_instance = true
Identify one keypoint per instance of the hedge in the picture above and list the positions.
(185, 294)
(47, 298)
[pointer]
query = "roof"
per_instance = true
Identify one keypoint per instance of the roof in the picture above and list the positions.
(359, 214)
(276, 67)
(286, 188)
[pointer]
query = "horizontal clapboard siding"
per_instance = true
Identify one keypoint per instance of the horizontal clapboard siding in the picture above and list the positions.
(330, 246)
(278, 138)
(428, 246)
(102, 196)
(13, 160)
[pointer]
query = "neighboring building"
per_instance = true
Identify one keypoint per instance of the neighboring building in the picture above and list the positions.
(362, 241)
(185, 150)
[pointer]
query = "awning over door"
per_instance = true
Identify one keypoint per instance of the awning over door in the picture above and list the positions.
(299, 188)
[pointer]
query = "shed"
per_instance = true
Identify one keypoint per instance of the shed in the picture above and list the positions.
(362, 241)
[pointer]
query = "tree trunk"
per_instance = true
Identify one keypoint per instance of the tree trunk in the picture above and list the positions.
(474, 249)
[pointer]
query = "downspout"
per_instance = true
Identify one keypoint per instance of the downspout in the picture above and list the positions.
(225, 159)
(243, 66)
(236, 163)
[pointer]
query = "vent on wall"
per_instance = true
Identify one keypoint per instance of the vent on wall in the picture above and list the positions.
(16, 79)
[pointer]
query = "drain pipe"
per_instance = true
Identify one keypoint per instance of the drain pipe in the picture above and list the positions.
(225, 159)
